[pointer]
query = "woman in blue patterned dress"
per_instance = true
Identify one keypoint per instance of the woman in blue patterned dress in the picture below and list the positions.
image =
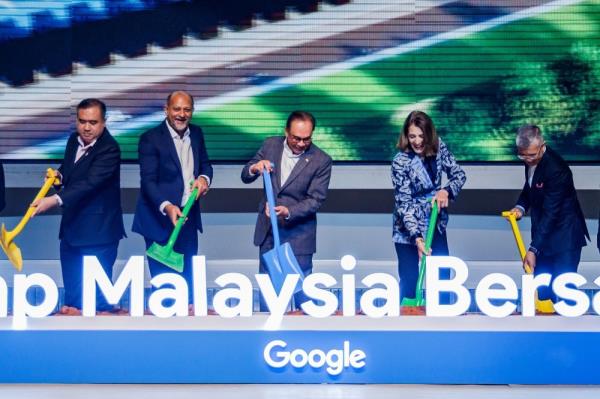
(417, 176)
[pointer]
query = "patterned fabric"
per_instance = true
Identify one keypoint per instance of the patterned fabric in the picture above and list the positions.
(413, 190)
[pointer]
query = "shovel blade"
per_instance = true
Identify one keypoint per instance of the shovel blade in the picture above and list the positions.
(413, 302)
(166, 256)
(12, 251)
(280, 262)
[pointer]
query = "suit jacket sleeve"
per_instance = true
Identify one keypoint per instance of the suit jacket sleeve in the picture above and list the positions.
(523, 200)
(315, 195)
(206, 168)
(456, 175)
(105, 164)
(405, 203)
(556, 188)
(259, 156)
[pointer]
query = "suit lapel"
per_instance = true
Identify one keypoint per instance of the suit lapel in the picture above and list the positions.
(171, 145)
(195, 142)
(300, 165)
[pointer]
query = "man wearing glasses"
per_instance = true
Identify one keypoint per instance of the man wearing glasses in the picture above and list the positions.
(300, 178)
(558, 230)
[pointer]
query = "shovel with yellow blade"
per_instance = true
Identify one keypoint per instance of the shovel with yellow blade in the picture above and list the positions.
(544, 306)
(12, 251)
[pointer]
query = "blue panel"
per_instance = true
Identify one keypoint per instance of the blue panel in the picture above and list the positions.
(237, 357)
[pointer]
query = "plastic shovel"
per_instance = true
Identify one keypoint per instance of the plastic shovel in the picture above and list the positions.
(280, 260)
(544, 306)
(416, 306)
(165, 253)
(12, 251)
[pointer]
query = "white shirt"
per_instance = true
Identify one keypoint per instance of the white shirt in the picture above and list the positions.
(183, 146)
(288, 161)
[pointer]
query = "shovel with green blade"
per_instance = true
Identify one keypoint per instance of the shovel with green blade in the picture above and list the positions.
(417, 305)
(165, 253)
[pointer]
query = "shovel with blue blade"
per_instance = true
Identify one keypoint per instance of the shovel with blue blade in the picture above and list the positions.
(280, 260)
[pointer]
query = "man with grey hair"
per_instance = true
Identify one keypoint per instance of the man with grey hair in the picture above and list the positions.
(558, 230)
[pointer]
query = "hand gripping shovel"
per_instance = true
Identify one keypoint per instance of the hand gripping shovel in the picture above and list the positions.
(12, 251)
(541, 306)
(416, 306)
(165, 253)
(281, 260)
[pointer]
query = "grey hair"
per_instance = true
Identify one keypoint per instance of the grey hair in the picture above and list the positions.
(528, 135)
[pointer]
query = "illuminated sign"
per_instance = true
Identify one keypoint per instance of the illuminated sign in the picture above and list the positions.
(235, 297)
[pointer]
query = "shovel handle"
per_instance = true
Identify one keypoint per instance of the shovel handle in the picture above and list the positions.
(271, 202)
(184, 214)
(512, 219)
(428, 242)
(51, 179)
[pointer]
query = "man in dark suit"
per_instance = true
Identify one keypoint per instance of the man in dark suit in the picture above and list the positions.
(301, 173)
(90, 197)
(2, 201)
(173, 161)
(558, 230)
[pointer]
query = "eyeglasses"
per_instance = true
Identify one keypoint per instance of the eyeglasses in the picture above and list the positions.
(531, 157)
(297, 139)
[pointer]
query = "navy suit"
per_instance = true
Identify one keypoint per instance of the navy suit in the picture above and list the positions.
(161, 180)
(303, 194)
(92, 219)
(558, 230)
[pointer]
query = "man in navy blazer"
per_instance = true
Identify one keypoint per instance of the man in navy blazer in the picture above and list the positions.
(90, 197)
(558, 230)
(300, 175)
(173, 161)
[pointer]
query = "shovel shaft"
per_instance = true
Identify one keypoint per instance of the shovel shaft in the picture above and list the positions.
(428, 242)
(181, 220)
(50, 181)
(271, 202)
(512, 219)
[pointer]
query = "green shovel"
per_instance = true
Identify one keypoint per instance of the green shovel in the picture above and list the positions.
(165, 253)
(419, 301)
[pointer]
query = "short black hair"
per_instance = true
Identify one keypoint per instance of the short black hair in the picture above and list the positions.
(93, 102)
(179, 92)
(303, 116)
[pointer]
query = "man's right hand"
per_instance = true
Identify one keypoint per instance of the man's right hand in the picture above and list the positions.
(518, 213)
(258, 167)
(173, 213)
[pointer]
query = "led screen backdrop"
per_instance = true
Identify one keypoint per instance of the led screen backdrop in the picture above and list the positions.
(481, 68)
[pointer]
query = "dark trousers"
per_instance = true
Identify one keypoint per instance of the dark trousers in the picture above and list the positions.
(306, 265)
(408, 265)
(187, 245)
(71, 261)
(555, 265)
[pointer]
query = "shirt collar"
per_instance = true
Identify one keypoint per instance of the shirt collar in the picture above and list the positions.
(174, 134)
(83, 145)
(288, 151)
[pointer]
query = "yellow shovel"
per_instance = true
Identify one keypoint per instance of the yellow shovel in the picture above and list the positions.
(544, 306)
(12, 251)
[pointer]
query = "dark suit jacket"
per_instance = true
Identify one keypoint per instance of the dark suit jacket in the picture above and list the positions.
(161, 180)
(303, 194)
(2, 200)
(91, 193)
(557, 221)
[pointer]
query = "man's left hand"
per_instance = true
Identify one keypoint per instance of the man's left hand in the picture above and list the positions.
(530, 259)
(44, 204)
(202, 186)
(280, 211)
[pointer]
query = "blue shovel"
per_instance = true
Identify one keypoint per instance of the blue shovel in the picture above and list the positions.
(280, 260)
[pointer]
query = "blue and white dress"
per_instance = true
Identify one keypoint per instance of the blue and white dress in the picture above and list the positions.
(413, 190)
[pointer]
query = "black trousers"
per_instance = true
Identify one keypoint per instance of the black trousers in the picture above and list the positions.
(408, 265)
(71, 261)
(555, 265)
